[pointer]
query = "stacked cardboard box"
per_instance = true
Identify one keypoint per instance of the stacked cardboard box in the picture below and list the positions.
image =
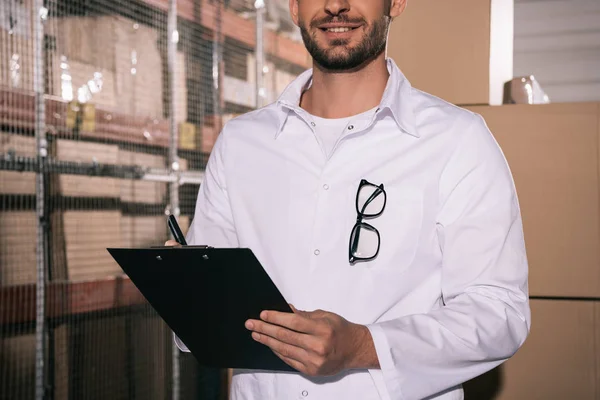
(138, 191)
(143, 231)
(125, 52)
(14, 182)
(17, 366)
(552, 151)
(91, 359)
(112, 357)
(459, 50)
(554, 156)
(18, 238)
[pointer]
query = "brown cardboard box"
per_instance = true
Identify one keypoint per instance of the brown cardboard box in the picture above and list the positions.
(139, 191)
(80, 239)
(16, 60)
(114, 357)
(150, 342)
(181, 93)
(18, 238)
(17, 364)
(553, 152)
(91, 359)
(83, 185)
(459, 50)
(143, 231)
(13, 182)
(559, 360)
(125, 52)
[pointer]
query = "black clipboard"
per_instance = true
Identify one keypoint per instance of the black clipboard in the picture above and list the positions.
(205, 295)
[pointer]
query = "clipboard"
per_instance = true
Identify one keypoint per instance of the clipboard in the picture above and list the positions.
(205, 295)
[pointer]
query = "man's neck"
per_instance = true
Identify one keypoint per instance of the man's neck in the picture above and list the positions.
(344, 94)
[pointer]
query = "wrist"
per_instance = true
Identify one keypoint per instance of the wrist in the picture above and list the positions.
(364, 354)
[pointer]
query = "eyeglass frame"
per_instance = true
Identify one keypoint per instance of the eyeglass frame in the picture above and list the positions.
(353, 244)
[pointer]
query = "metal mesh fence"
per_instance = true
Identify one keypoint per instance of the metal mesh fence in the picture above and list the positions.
(108, 112)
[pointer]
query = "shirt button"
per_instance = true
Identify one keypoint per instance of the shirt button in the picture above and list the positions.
(326, 186)
(350, 127)
(317, 252)
(304, 393)
(313, 124)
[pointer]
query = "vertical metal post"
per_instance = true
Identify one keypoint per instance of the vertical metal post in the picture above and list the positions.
(40, 15)
(216, 67)
(259, 5)
(173, 39)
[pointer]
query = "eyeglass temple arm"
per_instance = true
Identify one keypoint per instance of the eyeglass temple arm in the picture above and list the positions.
(371, 198)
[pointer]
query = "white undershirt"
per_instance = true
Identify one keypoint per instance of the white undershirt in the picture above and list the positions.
(329, 130)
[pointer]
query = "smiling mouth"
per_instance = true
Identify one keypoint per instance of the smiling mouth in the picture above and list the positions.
(339, 29)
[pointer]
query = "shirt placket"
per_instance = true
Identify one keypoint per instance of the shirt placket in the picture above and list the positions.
(354, 128)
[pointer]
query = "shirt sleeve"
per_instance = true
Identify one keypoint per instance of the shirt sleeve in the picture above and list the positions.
(485, 315)
(213, 223)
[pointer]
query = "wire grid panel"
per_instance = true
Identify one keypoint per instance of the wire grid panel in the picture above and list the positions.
(109, 107)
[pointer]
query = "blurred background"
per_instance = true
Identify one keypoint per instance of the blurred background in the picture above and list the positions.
(109, 110)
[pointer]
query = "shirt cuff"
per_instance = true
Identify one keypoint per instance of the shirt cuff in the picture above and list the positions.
(180, 344)
(386, 362)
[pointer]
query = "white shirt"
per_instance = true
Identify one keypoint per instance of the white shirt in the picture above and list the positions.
(329, 130)
(447, 297)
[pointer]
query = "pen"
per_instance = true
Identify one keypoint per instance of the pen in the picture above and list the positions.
(176, 231)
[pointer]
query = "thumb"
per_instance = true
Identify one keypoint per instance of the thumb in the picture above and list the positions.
(296, 311)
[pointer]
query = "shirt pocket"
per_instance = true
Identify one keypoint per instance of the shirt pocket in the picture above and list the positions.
(399, 227)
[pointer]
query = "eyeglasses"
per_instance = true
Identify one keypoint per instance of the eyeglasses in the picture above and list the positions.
(364, 239)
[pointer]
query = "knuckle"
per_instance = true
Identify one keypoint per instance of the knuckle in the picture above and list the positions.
(284, 351)
(321, 349)
(312, 371)
(282, 334)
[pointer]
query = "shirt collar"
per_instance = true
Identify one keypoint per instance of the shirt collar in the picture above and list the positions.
(396, 98)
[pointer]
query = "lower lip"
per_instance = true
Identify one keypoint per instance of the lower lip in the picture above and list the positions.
(339, 35)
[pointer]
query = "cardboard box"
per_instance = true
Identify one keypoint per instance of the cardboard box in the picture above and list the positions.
(80, 239)
(113, 357)
(461, 50)
(143, 231)
(139, 191)
(559, 360)
(83, 185)
(17, 364)
(151, 347)
(91, 359)
(18, 239)
(125, 52)
(78, 245)
(16, 60)
(14, 182)
(181, 91)
(553, 153)
(18, 145)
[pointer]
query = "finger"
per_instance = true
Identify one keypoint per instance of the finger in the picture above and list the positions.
(171, 243)
(280, 333)
(295, 322)
(297, 365)
(286, 350)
